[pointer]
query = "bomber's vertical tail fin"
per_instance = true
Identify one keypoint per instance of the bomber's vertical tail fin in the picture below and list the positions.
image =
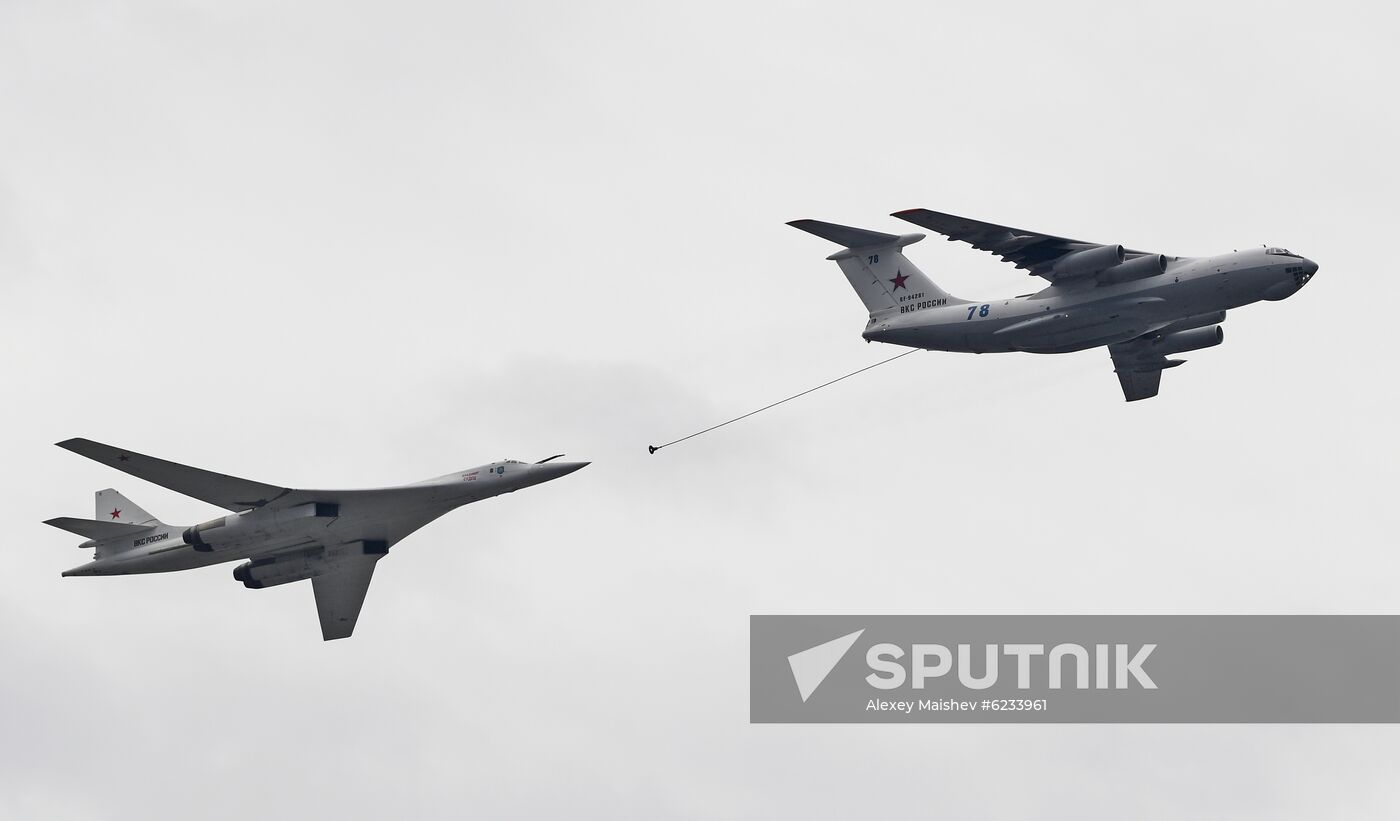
(114, 507)
(875, 264)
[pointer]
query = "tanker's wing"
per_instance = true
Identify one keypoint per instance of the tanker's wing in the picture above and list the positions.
(1139, 368)
(1030, 250)
(228, 492)
(1139, 362)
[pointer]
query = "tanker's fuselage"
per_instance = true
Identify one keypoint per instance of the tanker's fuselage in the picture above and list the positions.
(1080, 314)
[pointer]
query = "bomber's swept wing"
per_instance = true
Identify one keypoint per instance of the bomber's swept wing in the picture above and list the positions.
(228, 492)
(340, 593)
(340, 573)
(1030, 250)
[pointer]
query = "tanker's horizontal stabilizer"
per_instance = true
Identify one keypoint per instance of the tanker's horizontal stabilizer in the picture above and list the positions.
(875, 265)
(845, 234)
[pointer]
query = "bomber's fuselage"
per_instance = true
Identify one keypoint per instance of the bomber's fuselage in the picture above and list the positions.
(1079, 314)
(332, 517)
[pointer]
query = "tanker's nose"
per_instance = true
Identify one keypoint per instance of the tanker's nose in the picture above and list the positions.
(1308, 268)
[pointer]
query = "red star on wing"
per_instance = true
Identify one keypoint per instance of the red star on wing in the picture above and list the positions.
(898, 281)
(116, 513)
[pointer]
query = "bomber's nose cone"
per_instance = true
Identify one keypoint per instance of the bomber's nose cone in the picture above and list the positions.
(553, 470)
(1310, 266)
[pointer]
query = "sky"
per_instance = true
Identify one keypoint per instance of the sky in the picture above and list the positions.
(357, 244)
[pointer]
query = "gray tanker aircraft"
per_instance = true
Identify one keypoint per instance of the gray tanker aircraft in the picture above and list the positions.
(1144, 307)
(332, 537)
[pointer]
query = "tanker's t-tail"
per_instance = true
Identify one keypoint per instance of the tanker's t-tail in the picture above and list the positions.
(877, 268)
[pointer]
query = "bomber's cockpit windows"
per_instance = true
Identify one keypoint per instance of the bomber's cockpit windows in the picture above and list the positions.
(1281, 252)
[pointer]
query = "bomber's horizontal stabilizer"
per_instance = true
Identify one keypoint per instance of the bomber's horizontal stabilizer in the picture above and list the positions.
(96, 529)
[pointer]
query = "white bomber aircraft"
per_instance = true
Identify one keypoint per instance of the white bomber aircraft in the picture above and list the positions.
(1143, 306)
(332, 537)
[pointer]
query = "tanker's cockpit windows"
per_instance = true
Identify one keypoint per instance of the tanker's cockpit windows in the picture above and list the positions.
(1280, 252)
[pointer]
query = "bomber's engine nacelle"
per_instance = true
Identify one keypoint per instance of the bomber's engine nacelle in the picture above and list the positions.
(273, 571)
(205, 537)
(1148, 265)
(1088, 262)
(1193, 340)
(227, 532)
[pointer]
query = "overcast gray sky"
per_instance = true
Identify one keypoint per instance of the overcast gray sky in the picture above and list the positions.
(352, 244)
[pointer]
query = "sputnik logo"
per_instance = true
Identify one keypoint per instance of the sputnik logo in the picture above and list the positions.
(811, 666)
